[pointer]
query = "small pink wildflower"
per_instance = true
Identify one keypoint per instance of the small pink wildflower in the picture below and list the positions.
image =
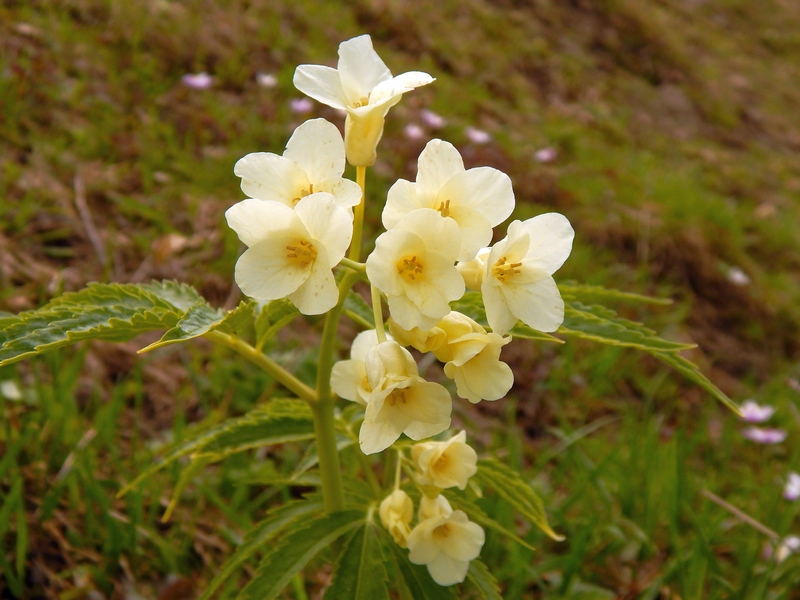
(738, 277)
(545, 155)
(431, 119)
(301, 106)
(791, 490)
(477, 136)
(266, 80)
(763, 435)
(414, 132)
(198, 81)
(756, 413)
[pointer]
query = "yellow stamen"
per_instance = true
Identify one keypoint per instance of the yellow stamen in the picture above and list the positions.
(302, 255)
(444, 208)
(303, 193)
(409, 268)
(395, 396)
(503, 270)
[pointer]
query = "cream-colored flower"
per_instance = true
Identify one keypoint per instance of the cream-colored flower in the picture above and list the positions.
(445, 464)
(396, 512)
(472, 359)
(473, 270)
(477, 199)
(432, 507)
(414, 265)
(424, 340)
(518, 283)
(349, 377)
(313, 162)
(291, 253)
(401, 401)
(364, 87)
(445, 543)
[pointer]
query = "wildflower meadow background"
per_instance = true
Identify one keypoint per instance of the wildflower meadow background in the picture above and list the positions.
(667, 133)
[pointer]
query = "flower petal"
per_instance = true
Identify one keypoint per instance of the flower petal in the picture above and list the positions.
(254, 220)
(322, 84)
(397, 86)
(317, 294)
(360, 68)
(551, 241)
(400, 200)
(538, 305)
(484, 189)
(329, 224)
(264, 273)
(267, 176)
(437, 163)
(318, 147)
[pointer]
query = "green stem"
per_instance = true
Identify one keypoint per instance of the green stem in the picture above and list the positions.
(324, 418)
(358, 221)
(377, 311)
(356, 266)
(280, 374)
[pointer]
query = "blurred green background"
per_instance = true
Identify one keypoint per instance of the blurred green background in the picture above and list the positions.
(667, 132)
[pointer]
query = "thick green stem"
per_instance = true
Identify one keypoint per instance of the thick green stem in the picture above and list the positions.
(377, 312)
(280, 374)
(358, 221)
(324, 420)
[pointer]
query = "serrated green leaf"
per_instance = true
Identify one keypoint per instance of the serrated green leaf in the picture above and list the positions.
(115, 312)
(513, 489)
(360, 573)
(272, 317)
(240, 318)
(279, 520)
(692, 372)
(571, 290)
(278, 422)
(479, 576)
(416, 577)
(295, 550)
(196, 322)
(601, 324)
(358, 310)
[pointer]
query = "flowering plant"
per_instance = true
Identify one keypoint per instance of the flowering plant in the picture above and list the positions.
(435, 284)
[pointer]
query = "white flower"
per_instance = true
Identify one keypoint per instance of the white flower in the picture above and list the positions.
(445, 543)
(787, 546)
(291, 253)
(445, 464)
(396, 512)
(413, 264)
(364, 87)
(477, 199)
(517, 283)
(401, 400)
(473, 270)
(349, 377)
(432, 507)
(472, 359)
(791, 490)
(756, 413)
(312, 162)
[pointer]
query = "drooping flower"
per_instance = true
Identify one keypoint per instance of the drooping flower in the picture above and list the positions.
(477, 199)
(765, 435)
(364, 87)
(396, 512)
(414, 265)
(291, 253)
(791, 490)
(312, 162)
(756, 413)
(518, 283)
(424, 340)
(472, 359)
(349, 377)
(474, 269)
(446, 543)
(445, 464)
(401, 401)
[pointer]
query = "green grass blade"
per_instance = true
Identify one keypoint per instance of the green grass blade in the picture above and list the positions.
(479, 576)
(295, 550)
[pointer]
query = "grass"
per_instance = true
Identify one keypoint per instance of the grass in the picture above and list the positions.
(676, 134)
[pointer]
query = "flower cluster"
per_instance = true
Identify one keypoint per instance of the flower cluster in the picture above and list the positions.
(299, 220)
(444, 540)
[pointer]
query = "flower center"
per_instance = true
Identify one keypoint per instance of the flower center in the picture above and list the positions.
(303, 193)
(395, 396)
(502, 270)
(444, 208)
(409, 269)
(442, 531)
(441, 463)
(301, 255)
(363, 102)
